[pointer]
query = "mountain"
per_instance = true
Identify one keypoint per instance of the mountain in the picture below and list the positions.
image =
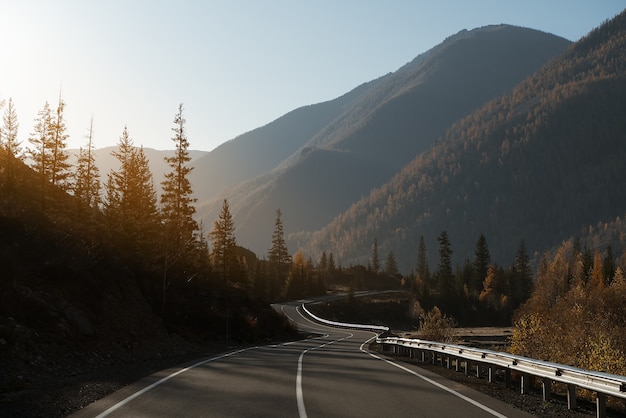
(535, 165)
(380, 127)
(262, 149)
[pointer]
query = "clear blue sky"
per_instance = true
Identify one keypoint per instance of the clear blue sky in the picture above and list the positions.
(236, 65)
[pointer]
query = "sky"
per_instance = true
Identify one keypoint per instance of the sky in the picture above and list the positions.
(235, 65)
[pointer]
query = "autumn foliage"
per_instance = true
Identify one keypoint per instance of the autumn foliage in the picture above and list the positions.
(577, 312)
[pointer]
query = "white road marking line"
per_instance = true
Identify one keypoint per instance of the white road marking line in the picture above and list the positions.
(299, 394)
(432, 382)
(166, 378)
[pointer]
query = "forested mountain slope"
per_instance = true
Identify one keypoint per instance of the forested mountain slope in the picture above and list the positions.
(399, 116)
(533, 165)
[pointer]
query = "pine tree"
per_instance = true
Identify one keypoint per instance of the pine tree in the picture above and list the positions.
(278, 256)
(323, 264)
(177, 203)
(491, 293)
(87, 183)
(119, 182)
(331, 263)
(224, 245)
(608, 265)
(130, 205)
(391, 266)
(41, 145)
(596, 278)
(481, 264)
(587, 261)
(144, 210)
(59, 165)
(11, 147)
(8, 132)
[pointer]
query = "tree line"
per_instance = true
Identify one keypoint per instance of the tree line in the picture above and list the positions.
(477, 292)
(158, 234)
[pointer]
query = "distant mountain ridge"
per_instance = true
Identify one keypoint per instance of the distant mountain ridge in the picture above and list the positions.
(370, 133)
(262, 149)
(535, 165)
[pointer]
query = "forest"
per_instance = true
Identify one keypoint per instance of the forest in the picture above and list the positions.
(98, 272)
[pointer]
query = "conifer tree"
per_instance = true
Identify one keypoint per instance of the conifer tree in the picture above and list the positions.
(87, 183)
(118, 190)
(391, 266)
(130, 203)
(224, 245)
(608, 265)
(9, 143)
(40, 140)
(323, 264)
(59, 165)
(481, 264)
(144, 210)
(8, 132)
(331, 263)
(278, 256)
(177, 203)
(596, 278)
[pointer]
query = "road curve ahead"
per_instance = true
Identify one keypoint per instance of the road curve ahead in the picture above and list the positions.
(331, 375)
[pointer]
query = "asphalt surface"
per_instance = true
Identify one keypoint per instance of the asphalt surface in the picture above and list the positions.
(330, 374)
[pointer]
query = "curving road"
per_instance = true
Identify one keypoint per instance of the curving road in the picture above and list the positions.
(332, 375)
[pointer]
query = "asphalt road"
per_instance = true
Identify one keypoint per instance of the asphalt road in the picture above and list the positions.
(330, 375)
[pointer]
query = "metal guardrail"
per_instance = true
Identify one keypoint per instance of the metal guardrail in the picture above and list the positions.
(345, 325)
(603, 384)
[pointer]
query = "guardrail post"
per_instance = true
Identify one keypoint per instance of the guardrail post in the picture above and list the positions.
(457, 364)
(601, 405)
(525, 384)
(448, 362)
(423, 356)
(490, 374)
(546, 388)
(571, 396)
(467, 367)
(478, 370)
